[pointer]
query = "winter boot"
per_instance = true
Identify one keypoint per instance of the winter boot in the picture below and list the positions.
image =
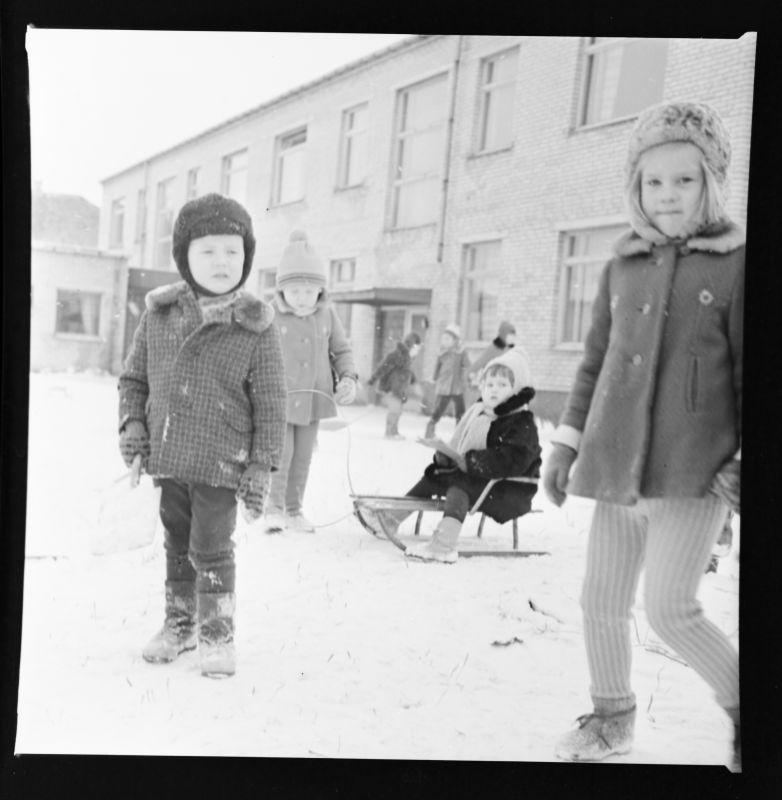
(735, 762)
(598, 736)
(429, 433)
(216, 634)
(380, 520)
(273, 521)
(178, 632)
(392, 426)
(442, 546)
(300, 523)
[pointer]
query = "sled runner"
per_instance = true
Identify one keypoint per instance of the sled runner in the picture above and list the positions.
(468, 546)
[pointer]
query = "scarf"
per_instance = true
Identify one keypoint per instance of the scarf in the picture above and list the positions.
(218, 309)
(473, 428)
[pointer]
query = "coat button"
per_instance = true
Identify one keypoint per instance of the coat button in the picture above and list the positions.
(637, 359)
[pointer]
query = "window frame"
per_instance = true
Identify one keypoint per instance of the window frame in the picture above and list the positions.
(141, 215)
(193, 183)
(485, 89)
(347, 137)
(476, 276)
(117, 230)
(164, 186)
(228, 171)
(280, 154)
(80, 293)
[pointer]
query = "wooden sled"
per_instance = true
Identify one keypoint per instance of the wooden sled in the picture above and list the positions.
(419, 505)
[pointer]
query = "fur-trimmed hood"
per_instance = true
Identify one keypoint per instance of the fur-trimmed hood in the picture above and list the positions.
(515, 402)
(722, 236)
(248, 311)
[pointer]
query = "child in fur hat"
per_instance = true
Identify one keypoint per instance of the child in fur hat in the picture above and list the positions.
(315, 349)
(653, 420)
(450, 377)
(202, 399)
(394, 377)
(496, 438)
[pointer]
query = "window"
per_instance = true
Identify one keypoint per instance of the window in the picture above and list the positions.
(141, 215)
(483, 287)
(267, 284)
(233, 180)
(419, 152)
(343, 270)
(585, 253)
(78, 312)
(498, 86)
(353, 148)
(289, 167)
(164, 223)
(193, 183)
(623, 76)
(117, 222)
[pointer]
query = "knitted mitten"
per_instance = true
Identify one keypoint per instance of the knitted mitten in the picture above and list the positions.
(252, 491)
(346, 391)
(134, 439)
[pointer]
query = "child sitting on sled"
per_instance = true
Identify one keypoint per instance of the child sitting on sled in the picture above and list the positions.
(496, 439)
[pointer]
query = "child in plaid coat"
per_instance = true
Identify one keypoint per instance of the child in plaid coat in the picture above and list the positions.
(202, 399)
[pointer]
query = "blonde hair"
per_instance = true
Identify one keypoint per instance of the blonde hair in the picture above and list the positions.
(713, 197)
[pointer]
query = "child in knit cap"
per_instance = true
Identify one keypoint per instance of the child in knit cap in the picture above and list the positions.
(505, 339)
(450, 377)
(315, 349)
(497, 438)
(202, 399)
(652, 426)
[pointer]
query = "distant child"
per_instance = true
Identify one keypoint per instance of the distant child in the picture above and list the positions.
(505, 339)
(394, 377)
(653, 420)
(496, 438)
(450, 377)
(202, 399)
(315, 349)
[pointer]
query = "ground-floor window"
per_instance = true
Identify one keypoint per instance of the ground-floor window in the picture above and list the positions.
(78, 312)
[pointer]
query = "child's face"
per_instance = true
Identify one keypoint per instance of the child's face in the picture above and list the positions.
(510, 338)
(414, 350)
(495, 389)
(446, 340)
(301, 297)
(671, 186)
(216, 261)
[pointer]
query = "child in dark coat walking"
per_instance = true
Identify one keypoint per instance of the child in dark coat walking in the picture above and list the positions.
(394, 377)
(653, 420)
(202, 399)
(497, 438)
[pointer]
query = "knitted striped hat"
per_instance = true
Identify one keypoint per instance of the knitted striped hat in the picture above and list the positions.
(300, 262)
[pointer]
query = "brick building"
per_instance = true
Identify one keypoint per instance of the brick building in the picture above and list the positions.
(447, 178)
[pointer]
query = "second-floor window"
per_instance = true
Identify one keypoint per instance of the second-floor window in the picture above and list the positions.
(141, 215)
(289, 172)
(419, 152)
(267, 284)
(164, 223)
(117, 222)
(498, 87)
(233, 178)
(193, 183)
(584, 254)
(623, 76)
(483, 288)
(353, 147)
(343, 270)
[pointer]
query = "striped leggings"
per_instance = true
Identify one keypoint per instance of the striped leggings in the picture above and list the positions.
(672, 539)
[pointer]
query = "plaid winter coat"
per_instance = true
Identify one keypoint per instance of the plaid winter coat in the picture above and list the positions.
(211, 395)
(655, 409)
(312, 347)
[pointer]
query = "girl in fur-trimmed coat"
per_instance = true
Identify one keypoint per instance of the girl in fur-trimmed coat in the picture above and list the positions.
(653, 420)
(202, 399)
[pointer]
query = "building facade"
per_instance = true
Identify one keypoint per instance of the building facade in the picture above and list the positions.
(449, 178)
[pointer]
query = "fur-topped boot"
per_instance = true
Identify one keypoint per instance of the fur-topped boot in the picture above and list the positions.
(178, 633)
(216, 634)
(442, 546)
(598, 735)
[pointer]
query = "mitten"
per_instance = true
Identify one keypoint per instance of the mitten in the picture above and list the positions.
(346, 391)
(727, 484)
(557, 471)
(252, 491)
(134, 439)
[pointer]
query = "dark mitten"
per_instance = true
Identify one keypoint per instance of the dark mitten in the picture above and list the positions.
(252, 491)
(134, 439)
(557, 472)
(727, 484)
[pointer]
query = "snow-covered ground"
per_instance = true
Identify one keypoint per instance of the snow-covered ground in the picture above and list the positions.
(346, 649)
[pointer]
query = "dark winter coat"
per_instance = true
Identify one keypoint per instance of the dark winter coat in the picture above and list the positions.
(211, 395)
(450, 372)
(512, 450)
(312, 347)
(394, 374)
(655, 409)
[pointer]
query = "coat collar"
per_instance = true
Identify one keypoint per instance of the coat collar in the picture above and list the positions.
(248, 311)
(722, 236)
(515, 402)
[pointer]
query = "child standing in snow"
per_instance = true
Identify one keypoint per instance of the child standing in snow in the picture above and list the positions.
(653, 420)
(314, 349)
(202, 397)
(450, 377)
(394, 377)
(496, 438)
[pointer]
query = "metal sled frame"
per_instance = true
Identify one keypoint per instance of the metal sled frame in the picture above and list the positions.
(419, 505)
